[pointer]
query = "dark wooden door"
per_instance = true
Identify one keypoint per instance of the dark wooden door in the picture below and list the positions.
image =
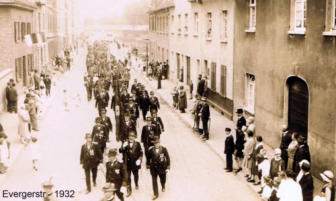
(178, 65)
(188, 70)
(298, 106)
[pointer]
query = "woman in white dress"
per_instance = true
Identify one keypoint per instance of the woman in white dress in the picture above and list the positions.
(4, 150)
(23, 128)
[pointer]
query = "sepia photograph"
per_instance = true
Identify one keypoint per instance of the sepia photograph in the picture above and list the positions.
(167, 100)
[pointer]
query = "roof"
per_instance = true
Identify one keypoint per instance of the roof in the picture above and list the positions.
(26, 5)
(158, 5)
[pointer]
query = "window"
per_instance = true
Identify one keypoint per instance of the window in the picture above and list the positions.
(252, 15)
(186, 24)
(224, 24)
(330, 26)
(199, 70)
(205, 69)
(213, 76)
(179, 24)
(196, 23)
(300, 14)
(167, 24)
(172, 24)
(223, 81)
(28, 28)
(298, 17)
(250, 92)
(209, 26)
(23, 30)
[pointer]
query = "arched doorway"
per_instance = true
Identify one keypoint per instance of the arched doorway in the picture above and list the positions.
(298, 101)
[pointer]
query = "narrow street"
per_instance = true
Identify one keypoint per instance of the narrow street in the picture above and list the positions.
(196, 173)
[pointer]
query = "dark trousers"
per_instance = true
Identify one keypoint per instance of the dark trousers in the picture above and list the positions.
(144, 113)
(205, 128)
(284, 156)
(196, 122)
(146, 154)
(47, 91)
(12, 106)
(162, 177)
(87, 177)
(136, 178)
(118, 193)
(229, 161)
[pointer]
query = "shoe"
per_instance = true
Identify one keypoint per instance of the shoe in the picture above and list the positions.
(251, 181)
(128, 194)
(260, 192)
(94, 184)
(136, 187)
(257, 183)
(238, 170)
(228, 170)
(225, 168)
(247, 176)
(155, 197)
(163, 189)
(87, 192)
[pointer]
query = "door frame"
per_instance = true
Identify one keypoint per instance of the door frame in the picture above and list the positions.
(286, 100)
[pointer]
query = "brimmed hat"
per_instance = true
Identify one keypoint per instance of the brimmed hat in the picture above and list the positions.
(227, 129)
(131, 134)
(327, 176)
(87, 135)
(108, 187)
(112, 152)
(47, 184)
(240, 111)
(156, 140)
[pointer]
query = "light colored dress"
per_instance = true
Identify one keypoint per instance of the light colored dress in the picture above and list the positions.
(292, 147)
(23, 130)
(248, 149)
(4, 153)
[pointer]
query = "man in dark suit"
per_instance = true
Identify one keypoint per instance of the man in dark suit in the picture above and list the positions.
(241, 121)
(133, 156)
(154, 103)
(147, 136)
(89, 86)
(127, 125)
(159, 165)
(116, 173)
(157, 122)
(144, 103)
(301, 153)
(90, 157)
(286, 139)
(106, 121)
(12, 98)
(202, 86)
(47, 83)
(102, 100)
(205, 116)
(305, 179)
(229, 149)
(99, 134)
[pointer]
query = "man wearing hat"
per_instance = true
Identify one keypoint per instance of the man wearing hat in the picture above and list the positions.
(102, 100)
(99, 134)
(106, 121)
(108, 190)
(144, 103)
(157, 122)
(229, 149)
(159, 165)
(241, 121)
(196, 112)
(147, 135)
(205, 116)
(305, 179)
(127, 125)
(90, 157)
(116, 173)
(302, 152)
(88, 81)
(133, 108)
(153, 103)
(133, 157)
(286, 139)
(48, 194)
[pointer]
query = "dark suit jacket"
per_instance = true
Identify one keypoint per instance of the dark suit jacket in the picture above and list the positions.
(307, 187)
(241, 122)
(116, 173)
(12, 94)
(158, 124)
(229, 145)
(160, 160)
(88, 160)
(301, 153)
(147, 135)
(205, 112)
(132, 154)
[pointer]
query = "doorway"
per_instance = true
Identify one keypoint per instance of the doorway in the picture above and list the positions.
(298, 103)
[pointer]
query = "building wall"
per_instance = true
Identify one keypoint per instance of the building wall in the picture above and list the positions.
(272, 55)
(197, 47)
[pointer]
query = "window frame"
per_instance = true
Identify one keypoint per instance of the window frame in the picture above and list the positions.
(224, 26)
(209, 26)
(196, 24)
(252, 23)
(303, 18)
(186, 31)
(179, 24)
(223, 80)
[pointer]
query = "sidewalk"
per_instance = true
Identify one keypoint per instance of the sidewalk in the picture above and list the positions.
(218, 123)
(9, 121)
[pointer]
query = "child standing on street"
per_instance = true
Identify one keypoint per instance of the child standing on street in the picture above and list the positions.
(34, 153)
